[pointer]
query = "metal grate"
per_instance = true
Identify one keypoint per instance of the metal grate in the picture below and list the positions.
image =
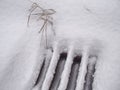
(67, 71)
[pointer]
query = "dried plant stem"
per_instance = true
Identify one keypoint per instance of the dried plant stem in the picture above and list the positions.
(45, 15)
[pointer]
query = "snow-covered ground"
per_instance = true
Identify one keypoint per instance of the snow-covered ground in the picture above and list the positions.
(78, 24)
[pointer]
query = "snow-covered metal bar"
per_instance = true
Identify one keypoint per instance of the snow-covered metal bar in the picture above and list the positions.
(90, 74)
(58, 71)
(43, 71)
(74, 73)
(51, 69)
(82, 69)
(67, 69)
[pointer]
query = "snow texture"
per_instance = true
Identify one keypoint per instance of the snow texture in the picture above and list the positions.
(84, 27)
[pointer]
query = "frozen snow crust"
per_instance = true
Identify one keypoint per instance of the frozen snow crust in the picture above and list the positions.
(82, 26)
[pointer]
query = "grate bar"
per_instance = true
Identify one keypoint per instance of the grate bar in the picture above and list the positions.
(51, 69)
(90, 72)
(58, 71)
(41, 73)
(67, 69)
(74, 73)
(82, 69)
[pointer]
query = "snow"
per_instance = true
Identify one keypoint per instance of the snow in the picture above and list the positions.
(78, 23)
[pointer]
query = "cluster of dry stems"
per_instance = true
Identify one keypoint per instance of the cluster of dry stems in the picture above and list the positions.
(43, 14)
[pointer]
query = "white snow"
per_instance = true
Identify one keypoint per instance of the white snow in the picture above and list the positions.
(92, 23)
